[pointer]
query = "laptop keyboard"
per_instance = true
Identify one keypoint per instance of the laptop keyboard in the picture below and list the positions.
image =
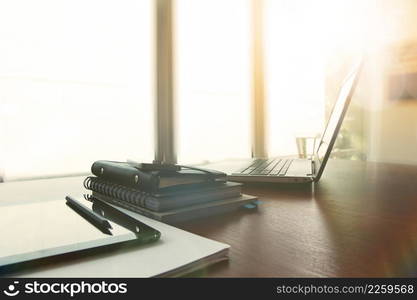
(267, 167)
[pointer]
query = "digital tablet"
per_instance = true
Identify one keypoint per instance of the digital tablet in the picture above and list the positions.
(33, 231)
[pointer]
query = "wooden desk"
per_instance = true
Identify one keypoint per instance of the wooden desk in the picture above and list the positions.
(360, 220)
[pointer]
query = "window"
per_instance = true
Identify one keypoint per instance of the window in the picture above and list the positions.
(77, 78)
(213, 79)
(76, 84)
(294, 72)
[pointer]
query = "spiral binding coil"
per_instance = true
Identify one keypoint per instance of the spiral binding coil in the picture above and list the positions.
(114, 190)
(88, 197)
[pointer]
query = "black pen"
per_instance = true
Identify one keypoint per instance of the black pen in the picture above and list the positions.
(95, 219)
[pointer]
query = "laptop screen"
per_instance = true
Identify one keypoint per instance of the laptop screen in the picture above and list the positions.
(331, 131)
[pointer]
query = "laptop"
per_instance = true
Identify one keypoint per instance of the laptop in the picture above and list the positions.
(296, 170)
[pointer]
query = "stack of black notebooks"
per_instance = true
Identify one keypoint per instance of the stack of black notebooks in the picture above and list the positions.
(169, 196)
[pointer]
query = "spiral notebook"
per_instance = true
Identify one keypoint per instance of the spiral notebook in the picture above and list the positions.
(189, 212)
(164, 201)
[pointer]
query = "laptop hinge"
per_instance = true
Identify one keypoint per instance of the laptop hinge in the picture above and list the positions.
(313, 167)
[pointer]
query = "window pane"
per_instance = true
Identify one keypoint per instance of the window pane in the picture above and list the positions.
(213, 79)
(75, 84)
(294, 67)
